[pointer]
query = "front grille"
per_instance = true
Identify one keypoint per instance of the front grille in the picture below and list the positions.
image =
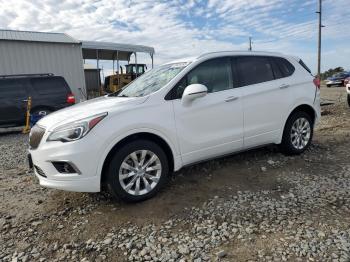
(35, 136)
(39, 171)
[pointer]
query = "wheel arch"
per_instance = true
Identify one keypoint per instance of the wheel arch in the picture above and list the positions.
(40, 107)
(304, 108)
(146, 135)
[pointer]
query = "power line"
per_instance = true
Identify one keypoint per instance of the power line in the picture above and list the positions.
(284, 37)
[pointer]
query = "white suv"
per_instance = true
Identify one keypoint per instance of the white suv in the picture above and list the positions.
(178, 114)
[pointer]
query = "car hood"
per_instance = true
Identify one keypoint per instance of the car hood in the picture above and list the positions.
(88, 108)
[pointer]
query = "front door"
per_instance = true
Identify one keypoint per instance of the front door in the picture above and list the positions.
(212, 125)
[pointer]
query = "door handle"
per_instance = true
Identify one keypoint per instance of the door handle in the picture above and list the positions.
(284, 86)
(231, 98)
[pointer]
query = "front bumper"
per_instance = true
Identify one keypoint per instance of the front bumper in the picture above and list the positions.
(82, 185)
(82, 153)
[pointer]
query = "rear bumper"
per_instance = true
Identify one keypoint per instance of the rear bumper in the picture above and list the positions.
(348, 88)
(317, 107)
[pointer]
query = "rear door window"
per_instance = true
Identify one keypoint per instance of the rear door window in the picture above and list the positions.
(276, 69)
(49, 85)
(253, 70)
(12, 88)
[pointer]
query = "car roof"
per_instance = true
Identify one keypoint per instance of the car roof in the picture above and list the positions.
(229, 53)
(27, 76)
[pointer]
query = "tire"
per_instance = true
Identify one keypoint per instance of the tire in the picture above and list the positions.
(349, 100)
(329, 86)
(122, 166)
(291, 145)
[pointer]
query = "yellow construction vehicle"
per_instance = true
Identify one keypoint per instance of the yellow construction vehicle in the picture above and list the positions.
(117, 81)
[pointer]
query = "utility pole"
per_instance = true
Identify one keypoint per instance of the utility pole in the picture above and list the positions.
(250, 44)
(319, 12)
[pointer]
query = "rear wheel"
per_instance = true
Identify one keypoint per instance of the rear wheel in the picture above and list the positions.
(297, 134)
(137, 171)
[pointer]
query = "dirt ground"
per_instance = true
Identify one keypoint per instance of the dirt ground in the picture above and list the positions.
(38, 224)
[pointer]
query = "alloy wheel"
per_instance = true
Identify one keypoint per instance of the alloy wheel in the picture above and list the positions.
(140, 172)
(300, 133)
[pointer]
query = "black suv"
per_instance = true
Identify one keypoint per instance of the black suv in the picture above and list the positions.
(48, 93)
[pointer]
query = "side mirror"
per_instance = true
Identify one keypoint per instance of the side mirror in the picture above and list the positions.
(193, 92)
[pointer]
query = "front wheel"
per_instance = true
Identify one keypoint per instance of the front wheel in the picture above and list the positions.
(297, 134)
(137, 171)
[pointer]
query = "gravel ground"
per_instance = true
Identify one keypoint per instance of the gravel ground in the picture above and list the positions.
(254, 206)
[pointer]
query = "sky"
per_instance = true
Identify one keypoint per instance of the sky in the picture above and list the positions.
(182, 28)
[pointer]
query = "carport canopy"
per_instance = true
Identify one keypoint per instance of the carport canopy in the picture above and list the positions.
(113, 51)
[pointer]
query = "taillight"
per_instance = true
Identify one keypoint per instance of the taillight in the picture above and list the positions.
(70, 98)
(317, 82)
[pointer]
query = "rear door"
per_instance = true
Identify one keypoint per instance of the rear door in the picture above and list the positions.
(12, 101)
(266, 98)
(49, 91)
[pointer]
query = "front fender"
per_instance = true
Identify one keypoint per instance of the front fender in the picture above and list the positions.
(115, 140)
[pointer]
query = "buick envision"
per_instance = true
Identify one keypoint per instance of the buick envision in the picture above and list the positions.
(175, 115)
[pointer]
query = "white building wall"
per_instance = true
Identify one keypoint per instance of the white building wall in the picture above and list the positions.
(24, 57)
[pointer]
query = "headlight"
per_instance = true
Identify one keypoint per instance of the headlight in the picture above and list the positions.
(75, 130)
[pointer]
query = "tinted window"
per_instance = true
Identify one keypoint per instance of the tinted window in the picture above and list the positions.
(276, 69)
(50, 85)
(11, 88)
(286, 68)
(254, 70)
(215, 74)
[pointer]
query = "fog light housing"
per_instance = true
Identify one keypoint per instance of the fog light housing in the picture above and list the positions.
(65, 167)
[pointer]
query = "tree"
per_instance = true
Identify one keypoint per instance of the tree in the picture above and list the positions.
(330, 72)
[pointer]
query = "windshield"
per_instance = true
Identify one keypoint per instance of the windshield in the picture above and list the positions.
(152, 80)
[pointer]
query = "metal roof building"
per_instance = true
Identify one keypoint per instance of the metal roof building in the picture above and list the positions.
(27, 52)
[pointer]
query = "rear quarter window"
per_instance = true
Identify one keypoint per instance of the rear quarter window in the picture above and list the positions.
(50, 85)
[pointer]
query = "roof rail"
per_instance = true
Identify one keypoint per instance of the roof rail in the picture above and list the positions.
(25, 75)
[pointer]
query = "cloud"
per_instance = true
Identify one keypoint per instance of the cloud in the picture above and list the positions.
(181, 28)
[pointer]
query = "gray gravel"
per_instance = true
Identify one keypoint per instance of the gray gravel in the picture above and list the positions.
(287, 221)
(13, 150)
